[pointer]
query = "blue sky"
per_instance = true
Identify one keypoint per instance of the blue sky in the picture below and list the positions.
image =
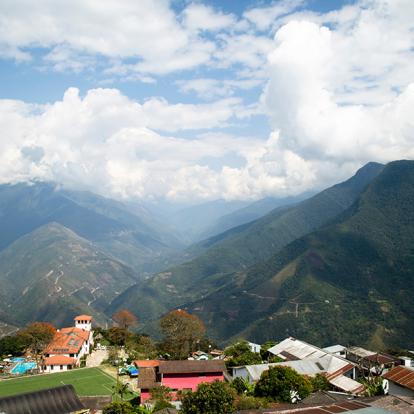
(202, 100)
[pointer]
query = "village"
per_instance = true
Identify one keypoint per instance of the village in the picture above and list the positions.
(82, 369)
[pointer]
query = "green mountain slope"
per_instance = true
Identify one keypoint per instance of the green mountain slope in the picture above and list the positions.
(52, 273)
(351, 282)
(250, 213)
(139, 241)
(239, 248)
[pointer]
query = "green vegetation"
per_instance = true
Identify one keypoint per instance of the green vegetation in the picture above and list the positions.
(241, 354)
(181, 332)
(282, 384)
(87, 381)
(226, 257)
(52, 274)
(351, 280)
(210, 398)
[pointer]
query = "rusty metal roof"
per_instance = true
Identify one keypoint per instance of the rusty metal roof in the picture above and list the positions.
(147, 378)
(183, 367)
(403, 376)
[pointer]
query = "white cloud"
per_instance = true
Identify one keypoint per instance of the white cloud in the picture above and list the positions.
(147, 30)
(210, 88)
(345, 96)
(265, 17)
(198, 16)
(340, 93)
(106, 142)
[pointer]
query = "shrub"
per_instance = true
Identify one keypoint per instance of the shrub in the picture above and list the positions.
(281, 383)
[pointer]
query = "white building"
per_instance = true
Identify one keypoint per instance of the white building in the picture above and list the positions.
(68, 346)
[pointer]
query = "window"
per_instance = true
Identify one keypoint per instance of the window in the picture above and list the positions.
(51, 367)
(61, 367)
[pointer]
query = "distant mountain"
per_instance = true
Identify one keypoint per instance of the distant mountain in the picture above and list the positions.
(351, 282)
(193, 222)
(250, 213)
(52, 273)
(241, 247)
(136, 239)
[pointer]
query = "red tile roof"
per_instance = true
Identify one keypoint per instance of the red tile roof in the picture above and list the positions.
(67, 341)
(83, 318)
(59, 360)
(76, 331)
(146, 363)
(403, 376)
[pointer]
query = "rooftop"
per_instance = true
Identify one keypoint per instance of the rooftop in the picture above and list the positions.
(83, 318)
(61, 400)
(146, 363)
(59, 360)
(401, 375)
(180, 367)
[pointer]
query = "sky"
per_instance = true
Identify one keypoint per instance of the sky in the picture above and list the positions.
(201, 100)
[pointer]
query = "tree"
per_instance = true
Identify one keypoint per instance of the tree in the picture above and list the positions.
(320, 383)
(281, 383)
(124, 318)
(38, 336)
(161, 397)
(118, 407)
(141, 347)
(118, 336)
(181, 333)
(210, 398)
(241, 354)
(14, 345)
(242, 386)
(120, 389)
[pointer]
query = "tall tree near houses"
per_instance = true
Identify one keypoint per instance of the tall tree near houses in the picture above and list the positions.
(124, 318)
(38, 336)
(181, 332)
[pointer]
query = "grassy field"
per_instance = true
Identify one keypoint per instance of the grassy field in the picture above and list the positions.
(88, 381)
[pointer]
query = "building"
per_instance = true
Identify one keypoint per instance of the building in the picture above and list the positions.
(177, 375)
(254, 347)
(401, 381)
(68, 346)
(374, 362)
(338, 350)
(59, 400)
(310, 360)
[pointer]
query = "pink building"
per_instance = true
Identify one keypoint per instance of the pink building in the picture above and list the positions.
(178, 375)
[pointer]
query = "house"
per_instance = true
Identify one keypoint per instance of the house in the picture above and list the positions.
(338, 350)
(375, 362)
(310, 360)
(254, 347)
(59, 400)
(179, 375)
(68, 346)
(401, 381)
(200, 356)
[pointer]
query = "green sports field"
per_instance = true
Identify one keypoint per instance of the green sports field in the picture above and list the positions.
(87, 381)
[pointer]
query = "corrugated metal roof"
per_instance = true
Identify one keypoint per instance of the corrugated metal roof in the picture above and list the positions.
(347, 384)
(296, 348)
(403, 376)
(182, 367)
(59, 400)
(147, 378)
(360, 352)
(335, 348)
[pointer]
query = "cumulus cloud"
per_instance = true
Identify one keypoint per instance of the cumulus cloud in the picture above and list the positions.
(147, 30)
(339, 93)
(108, 143)
(344, 96)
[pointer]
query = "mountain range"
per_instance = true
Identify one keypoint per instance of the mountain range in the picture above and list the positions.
(336, 266)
